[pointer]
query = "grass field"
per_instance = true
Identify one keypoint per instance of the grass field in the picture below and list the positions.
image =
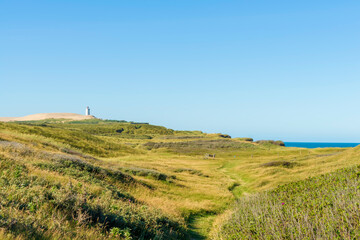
(322, 207)
(97, 179)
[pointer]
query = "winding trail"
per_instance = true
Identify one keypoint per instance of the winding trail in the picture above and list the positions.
(201, 225)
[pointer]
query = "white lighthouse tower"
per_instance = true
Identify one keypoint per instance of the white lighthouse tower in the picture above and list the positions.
(87, 111)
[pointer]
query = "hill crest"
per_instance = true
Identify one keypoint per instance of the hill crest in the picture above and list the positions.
(43, 116)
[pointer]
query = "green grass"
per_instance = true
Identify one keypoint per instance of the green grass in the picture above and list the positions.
(99, 179)
(323, 207)
(85, 142)
(84, 201)
(29, 202)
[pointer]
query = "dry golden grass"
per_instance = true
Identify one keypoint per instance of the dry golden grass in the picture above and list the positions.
(200, 199)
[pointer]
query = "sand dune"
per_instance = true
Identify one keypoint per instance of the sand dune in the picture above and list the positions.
(42, 116)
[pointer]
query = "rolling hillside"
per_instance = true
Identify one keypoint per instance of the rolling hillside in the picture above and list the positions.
(102, 179)
(322, 207)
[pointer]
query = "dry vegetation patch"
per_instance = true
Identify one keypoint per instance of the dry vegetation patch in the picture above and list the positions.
(286, 164)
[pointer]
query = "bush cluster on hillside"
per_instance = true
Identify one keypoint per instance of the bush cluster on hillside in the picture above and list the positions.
(245, 139)
(199, 144)
(272, 142)
(191, 171)
(148, 173)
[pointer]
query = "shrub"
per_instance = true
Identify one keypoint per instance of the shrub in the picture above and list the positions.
(180, 137)
(191, 171)
(233, 185)
(199, 145)
(245, 139)
(147, 173)
(272, 142)
(224, 136)
(286, 164)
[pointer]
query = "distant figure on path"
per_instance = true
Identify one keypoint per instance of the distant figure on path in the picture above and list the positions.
(209, 156)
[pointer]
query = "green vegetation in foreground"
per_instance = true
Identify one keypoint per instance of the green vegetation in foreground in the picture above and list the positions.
(84, 202)
(98, 179)
(323, 207)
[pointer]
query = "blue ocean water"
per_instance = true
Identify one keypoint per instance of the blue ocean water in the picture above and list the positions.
(319, 144)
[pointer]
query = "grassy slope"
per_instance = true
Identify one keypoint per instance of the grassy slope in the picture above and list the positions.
(323, 207)
(171, 180)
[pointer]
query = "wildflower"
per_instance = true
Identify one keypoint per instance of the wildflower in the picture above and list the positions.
(282, 203)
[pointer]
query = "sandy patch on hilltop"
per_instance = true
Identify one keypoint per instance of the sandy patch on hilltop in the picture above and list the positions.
(43, 116)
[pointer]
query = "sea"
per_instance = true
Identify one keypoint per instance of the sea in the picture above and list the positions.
(319, 144)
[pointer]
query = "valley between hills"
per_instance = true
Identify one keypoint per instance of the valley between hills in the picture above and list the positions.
(108, 179)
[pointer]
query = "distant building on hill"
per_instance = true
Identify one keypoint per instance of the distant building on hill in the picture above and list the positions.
(87, 112)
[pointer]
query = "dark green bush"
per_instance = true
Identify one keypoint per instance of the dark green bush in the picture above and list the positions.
(286, 164)
(272, 142)
(199, 145)
(147, 173)
(245, 139)
(191, 171)
(224, 136)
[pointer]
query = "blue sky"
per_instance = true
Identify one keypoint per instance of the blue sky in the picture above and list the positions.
(265, 69)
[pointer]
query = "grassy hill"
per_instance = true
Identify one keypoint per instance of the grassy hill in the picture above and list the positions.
(323, 207)
(101, 179)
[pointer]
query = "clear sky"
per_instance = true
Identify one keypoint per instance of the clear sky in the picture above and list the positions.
(265, 69)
